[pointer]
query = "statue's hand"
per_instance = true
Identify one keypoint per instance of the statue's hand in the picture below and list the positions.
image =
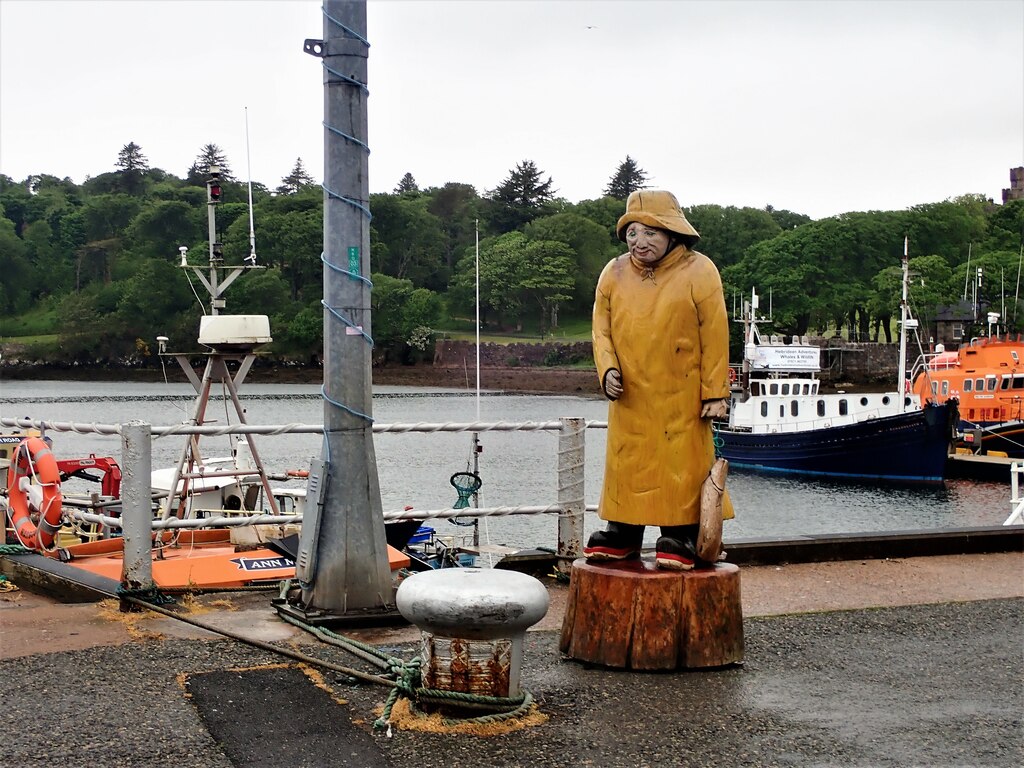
(715, 409)
(613, 384)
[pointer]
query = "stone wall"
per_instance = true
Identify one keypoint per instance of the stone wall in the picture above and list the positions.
(862, 363)
(841, 362)
(450, 353)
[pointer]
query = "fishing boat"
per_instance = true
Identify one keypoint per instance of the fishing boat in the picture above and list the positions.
(986, 376)
(781, 422)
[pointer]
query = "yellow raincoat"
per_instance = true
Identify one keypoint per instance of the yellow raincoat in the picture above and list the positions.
(666, 331)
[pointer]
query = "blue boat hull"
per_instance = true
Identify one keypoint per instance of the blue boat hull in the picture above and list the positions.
(910, 448)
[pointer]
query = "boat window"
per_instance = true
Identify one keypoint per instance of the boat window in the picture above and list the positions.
(755, 388)
(773, 389)
(843, 407)
(794, 408)
(785, 389)
(1005, 383)
(968, 385)
(764, 407)
(945, 387)
(814, 388)
(1018, 382)
(863, 401)
(990, 383)
(782, 410)
(885, 399)
(979, 384)
(935, 388)
(821, 407)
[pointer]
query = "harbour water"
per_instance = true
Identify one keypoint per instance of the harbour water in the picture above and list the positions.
(517, 468)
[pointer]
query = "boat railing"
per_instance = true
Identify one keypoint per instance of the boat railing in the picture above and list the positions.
(1016, 502)
(137, 521)
(818, 422)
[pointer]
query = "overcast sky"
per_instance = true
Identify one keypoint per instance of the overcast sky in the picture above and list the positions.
(816, 107)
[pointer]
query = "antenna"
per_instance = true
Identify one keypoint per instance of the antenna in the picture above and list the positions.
(251, 258)
(967, 276)
(1016, 294)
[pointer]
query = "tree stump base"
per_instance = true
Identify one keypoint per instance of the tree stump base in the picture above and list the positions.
(632, 615)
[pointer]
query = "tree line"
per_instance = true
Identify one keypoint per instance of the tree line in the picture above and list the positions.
(91, 271)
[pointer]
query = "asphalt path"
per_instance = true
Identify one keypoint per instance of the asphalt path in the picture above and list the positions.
(917, 685)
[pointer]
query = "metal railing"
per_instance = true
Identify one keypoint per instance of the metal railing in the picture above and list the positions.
(1016, 502)
(137, 522)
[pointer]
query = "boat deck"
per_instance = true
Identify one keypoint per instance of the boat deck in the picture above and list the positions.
(860, 662)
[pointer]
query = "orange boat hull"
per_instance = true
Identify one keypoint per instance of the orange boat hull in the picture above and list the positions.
(200, 560)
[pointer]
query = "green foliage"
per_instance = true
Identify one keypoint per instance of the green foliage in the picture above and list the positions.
(727, 232)
(41, 320)
(209, 155)
(158, 229)
(297, 180)
(628, 178)
(520, 198)
(301, 334)
(517, 274)
(98, 262)
(407, 186)
(16, 287)
(408, 241)
(403, 319)
(261, 292)
(590, 250)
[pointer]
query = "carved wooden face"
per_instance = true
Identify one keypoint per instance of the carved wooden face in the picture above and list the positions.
(646, 244)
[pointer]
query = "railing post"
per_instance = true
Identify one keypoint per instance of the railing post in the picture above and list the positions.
(136, 507)
(571, 453)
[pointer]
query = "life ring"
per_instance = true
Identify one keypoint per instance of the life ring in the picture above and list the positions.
(33, 484)
(732, 375)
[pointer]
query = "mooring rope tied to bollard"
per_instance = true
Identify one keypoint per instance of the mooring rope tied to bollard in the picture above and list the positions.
(406, 673)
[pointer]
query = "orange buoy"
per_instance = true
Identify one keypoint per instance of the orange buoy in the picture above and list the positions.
(33, 485)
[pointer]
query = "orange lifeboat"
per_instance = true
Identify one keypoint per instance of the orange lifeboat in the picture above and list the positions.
(986, 376)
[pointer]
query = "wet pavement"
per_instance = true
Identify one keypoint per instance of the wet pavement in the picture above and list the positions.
(867, 663)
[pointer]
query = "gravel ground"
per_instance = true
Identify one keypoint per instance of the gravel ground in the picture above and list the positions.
(932, 685)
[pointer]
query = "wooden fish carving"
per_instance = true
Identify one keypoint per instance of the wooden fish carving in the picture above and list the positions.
(709, 537)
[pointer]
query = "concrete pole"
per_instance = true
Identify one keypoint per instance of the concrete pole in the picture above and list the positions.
(351, 573)
(136, 508)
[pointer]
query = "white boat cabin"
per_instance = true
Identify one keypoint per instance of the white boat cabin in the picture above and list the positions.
(777, 390)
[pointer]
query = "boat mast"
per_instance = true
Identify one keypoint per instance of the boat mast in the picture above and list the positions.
(476, 435)
(901, 384)
(252, 225)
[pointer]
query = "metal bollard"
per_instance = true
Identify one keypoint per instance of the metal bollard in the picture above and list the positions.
(473, 622)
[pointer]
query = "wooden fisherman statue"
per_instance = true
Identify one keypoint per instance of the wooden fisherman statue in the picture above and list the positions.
(661, 347)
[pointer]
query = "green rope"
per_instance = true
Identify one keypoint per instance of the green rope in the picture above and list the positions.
(407, 683)
(150, 595)
(15, 549)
